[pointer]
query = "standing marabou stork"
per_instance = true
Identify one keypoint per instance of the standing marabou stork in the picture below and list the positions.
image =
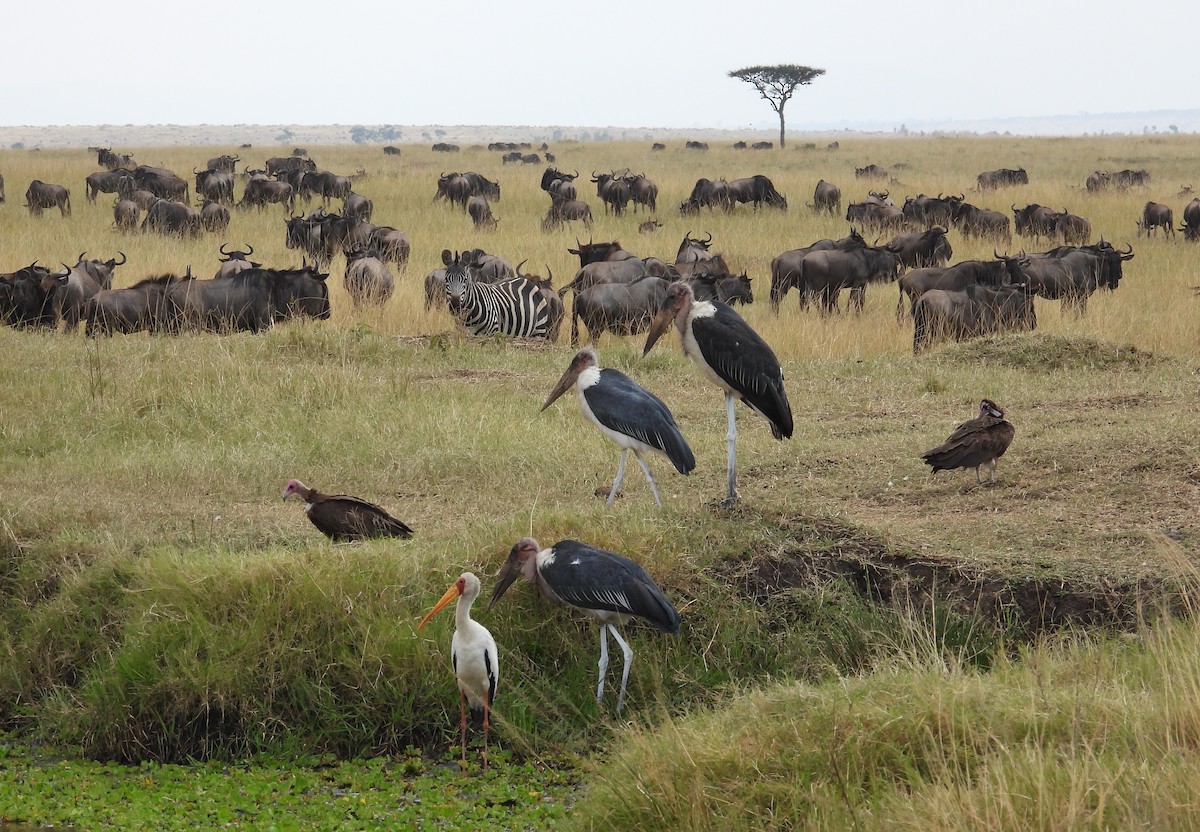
(602, 584)
(732, 356)
(627, 413)
(473, 655)
(975, 443)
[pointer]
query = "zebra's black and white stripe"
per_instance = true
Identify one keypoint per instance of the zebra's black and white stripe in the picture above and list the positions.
(513, 307)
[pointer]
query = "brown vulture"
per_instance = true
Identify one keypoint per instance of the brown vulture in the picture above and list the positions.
(976, 442)
(342, 518)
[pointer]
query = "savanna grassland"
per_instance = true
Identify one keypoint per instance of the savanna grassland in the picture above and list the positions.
(863, 645)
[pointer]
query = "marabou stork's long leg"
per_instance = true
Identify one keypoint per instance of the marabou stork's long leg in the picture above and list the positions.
(612, 494)
(603, 661)
(730, 440)
(649, 476)
(628, 651)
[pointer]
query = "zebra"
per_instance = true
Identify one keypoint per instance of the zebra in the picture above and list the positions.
(514, 307)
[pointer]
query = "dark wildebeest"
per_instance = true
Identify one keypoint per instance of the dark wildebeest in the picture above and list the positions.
(24, 301)
(125, 215)
(144, 305)
(225, 163)
(1033, 221)
(487, 268)
(70, 290)
(693, 249)
(871, 171)
(368, 280)
(649, 227)
(696, 145)
(457, 188)
(566, 210)
(251, 300)
(972, 312)
(1191, 220)
(973, 221)
(558, 184)
(325, 184)
(1130, 178)
(756, 190)
(172, 218)
(875, 215)
(642, 191)
(994, 273)
(214, 216)
(513, 156)
(785, 269)
(391, 150)
(739, 145)
(163, 183)
(235, 261)
(658, 146)
(613, 192)
(435, 287)
(620, 308)
(531, 159)
(992, 179)
(260, 191)
(1071, 228)
(762, 146)
(357, 205)
(730, 290)
(710, 193)
(827, 197)
(105, 181)
(277, 164)
(213, 184)
(443, 147)
(919, 249)
(1072, 274)
(107, 159)
(603, 263)
(481, 213)
(1154, 216)
(392, 244)
(41, 195)
(928, 211)
(307, 234)
(826, 273)
(1097, 181)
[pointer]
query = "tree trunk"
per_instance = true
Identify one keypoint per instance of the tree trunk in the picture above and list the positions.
(781, 128)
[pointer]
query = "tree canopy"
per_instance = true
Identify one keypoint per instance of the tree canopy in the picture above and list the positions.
(777, 83)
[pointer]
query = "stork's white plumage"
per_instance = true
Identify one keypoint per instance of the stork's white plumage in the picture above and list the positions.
(473, 655)
(604, 585)
(627, 413)
(732, 356)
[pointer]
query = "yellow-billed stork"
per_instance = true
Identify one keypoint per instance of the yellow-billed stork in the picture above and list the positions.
(732, 356)
(604, 585)
(627, 413)
(473, 656)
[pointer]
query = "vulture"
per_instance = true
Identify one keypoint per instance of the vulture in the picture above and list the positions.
(342, 518)
(974, 443)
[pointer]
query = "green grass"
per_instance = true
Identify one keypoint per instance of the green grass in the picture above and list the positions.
(161, 602)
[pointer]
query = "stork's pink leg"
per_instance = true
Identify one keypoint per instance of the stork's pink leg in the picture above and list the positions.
(486, 713)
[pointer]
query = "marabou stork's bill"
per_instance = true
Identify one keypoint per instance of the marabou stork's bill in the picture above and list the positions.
(974, 443)
(604, 585)
(627, 413)
(732, 356)
(343, 518)
(473, 656)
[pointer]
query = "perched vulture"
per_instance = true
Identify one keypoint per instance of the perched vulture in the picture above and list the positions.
(342, 518)
(976, 442)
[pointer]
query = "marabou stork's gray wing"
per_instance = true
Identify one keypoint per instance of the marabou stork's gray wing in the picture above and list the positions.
(342, 517)
(974, 442)
(596, 579)
(623, 405)
(743, 360)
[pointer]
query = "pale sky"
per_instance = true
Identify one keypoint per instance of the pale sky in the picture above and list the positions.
(620, 63)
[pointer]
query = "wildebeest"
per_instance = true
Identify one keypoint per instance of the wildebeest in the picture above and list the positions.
(994, 273)
(992, 179)
(696, 145)
(919, 249)
(564, 210)
(125, 215)
(620, 308)
(756, 189)
(106, 158)
(172, 218)
(731, 290)
(826, 273)
(261, 191)
(235, 261)
(1097, 181)
(974, 311)
(649, 226)
(68, 291)
(973, 221)
(613, 192)
(368, 280)
(762, 146)
(106, 181)
(144, 305)
(785, 269)
(1130, 178)
(225, 163)
(435, 287)
(559, 184)
(487, 268)
(325, 184)
(308, 234)
(163, 183)
(481, 213)
(603, 263)
(1072, 274)
(214, 184)
(1034, 220)
(658, 146)
(1155, 215)
(41, 195)
(739, 145)
(251, 300)
(357, 205)
(1191, 220)
(277, 164)
(24, 301)
(443, 147)
(642, 191)
(928, 211)
(871, 171)
(458, 188)
(710, 193)
(391, 150)
(1071, 228)
(214, 217)
(392, 244)
(875, 214)
(827, 197)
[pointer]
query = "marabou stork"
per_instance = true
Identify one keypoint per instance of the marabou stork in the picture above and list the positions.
(473, 656)
(732, 356)
(627, 413)
(974, 443)
(602, 584)
(342, 518)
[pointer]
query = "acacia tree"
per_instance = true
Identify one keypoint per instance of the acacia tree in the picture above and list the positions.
(777, 83)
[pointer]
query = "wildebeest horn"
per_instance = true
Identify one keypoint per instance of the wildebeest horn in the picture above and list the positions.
(82, 255)
(709, 240)
(251, 251)
(1128, 248)
(549, 276)
(522, 263)
(996, 254)
(222, 250)
(1014, 207)
(195, 171)
(124, 259)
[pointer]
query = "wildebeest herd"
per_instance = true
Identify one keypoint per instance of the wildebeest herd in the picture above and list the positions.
(614, 289)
